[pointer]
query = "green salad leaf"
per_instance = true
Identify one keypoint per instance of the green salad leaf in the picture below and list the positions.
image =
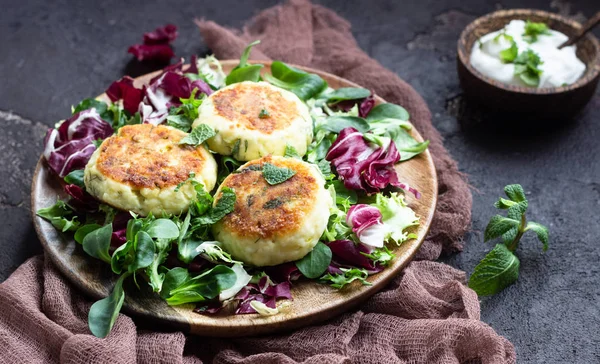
(173, 279)
(183, 116)
(305, 85)
(82, 232)
(61, 216)
(346, 93)
(104, 313)
(205, 286)
(348, 276)
(387, 111)
(75, 177)
(405, 143)
(97, 243)
(336, 123)
(163, 229)
(100, 106)
(244, 71)
(315, 263)
(144, 252)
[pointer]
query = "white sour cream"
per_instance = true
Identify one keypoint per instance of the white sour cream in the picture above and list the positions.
(559, 67)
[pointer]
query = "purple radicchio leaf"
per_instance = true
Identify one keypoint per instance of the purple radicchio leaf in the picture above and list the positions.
(165, 92)
(161, 35)
(210, 308)
(285, 272)
(70, 146)
(81, 201)
(364, 105)
(193, 68)
(365, 167)
(265, 292)
(156, 45)
(123, 89)
(119, 235)
(367, 223)
(152, 52)
(348, 254)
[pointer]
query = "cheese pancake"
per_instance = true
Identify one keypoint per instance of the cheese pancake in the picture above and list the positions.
(274, 224)
(255, 119)
(139, 170)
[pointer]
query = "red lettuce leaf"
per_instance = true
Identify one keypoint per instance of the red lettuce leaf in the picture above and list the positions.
(161, 35)
(366, 105)
(81, 201)
(364, 167)
(166, 91)
(193, 68)
(348, 254)
(120, 221)
(123, 89)
(156, 45)
(361, 217)
(152, 52)
(70, 146)
(285, 272)
(265, 292)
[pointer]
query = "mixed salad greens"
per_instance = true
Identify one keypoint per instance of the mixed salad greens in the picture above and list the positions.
(355, 146)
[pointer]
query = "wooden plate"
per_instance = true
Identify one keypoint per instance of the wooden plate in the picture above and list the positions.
(312, 302)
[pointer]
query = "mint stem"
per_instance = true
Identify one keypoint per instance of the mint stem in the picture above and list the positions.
(513, 245)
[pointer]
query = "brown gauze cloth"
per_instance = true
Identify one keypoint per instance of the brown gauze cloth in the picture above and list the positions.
(426, 315)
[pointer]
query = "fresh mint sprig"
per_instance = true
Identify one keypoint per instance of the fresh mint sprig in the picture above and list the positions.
(500, 267)
(527, 67)
(533, 30)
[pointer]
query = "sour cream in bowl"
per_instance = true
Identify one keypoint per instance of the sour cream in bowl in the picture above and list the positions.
(509, 63)
(498, 56)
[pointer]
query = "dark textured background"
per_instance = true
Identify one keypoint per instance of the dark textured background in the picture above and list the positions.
(52, 54)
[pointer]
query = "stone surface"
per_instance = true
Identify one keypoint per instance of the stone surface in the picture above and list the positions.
(56, 53)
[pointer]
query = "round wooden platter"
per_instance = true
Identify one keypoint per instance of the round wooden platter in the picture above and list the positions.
(312, 303)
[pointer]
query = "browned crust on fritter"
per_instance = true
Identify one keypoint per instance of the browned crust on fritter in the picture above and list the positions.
(265, 211)
(148, 156)
(243, 103)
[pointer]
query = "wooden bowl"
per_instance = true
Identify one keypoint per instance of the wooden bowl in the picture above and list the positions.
(313, 302)
(525, 102)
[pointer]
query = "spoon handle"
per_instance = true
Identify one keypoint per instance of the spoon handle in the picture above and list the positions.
(589, 25)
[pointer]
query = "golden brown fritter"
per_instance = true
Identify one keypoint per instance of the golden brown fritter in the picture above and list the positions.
(244, 102)
(149, 156)
(263, 210)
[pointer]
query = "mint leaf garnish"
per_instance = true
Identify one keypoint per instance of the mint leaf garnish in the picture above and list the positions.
(500, 268)
(199, 135)
(276, 175)
(527, 67)
(541, 231)
(533, 30)
(263, 114)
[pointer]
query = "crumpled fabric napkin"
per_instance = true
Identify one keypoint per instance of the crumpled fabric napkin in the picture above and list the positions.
(426, 315)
